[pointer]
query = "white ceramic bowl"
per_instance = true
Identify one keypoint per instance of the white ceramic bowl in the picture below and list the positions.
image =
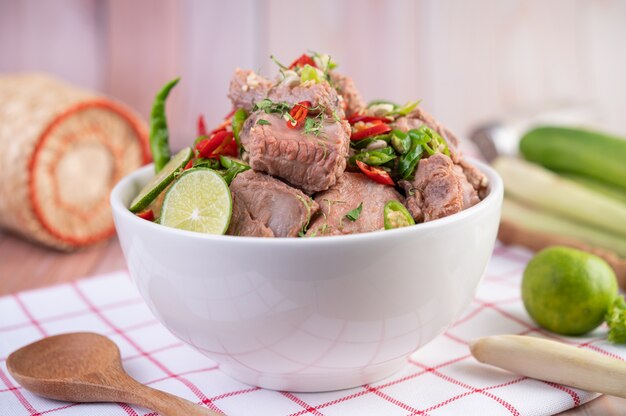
(309, 314)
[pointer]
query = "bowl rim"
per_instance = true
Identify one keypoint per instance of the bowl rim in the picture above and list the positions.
(496, 190)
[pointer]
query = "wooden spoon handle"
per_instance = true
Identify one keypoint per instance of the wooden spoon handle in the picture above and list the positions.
(164, 403)
(552, 361)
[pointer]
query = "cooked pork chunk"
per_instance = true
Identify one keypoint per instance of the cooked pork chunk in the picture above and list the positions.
(266, 207)
(312, 163)
(439, 189)
(351, 190)
(247, 88)
(418, 117)
(476, 178)
(352, 101)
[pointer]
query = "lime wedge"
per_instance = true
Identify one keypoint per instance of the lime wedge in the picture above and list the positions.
(198, 201)
(160, 181)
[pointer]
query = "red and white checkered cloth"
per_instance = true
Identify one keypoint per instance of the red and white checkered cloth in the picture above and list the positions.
(441, 378)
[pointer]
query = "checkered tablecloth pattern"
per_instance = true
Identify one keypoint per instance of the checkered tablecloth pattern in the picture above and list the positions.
(441, 378)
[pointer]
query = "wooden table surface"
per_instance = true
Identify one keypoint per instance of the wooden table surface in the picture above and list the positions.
(26, 266)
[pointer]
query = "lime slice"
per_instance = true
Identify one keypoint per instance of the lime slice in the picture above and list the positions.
(198, 201)
(160, 181)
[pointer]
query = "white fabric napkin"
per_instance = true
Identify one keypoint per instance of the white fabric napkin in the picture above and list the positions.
(441, 378)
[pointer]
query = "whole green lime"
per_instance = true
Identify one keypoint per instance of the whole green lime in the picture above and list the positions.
(568, 291)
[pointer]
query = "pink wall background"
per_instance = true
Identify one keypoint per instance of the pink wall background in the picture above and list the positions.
(468, 61)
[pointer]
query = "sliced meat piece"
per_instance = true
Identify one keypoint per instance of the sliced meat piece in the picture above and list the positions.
(470, 196)
(353, 103)
(247, 88)
(266, 207)
(312, 163)
(439, 189)
(475, 177)
(351, 190)
(321, 94)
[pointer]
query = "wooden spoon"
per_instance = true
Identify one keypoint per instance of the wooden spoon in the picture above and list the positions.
(86, 367)
(552, 361)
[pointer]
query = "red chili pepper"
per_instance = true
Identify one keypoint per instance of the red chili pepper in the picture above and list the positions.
(226, 146)
(232, 149)
(201, 126)
(189, 165)
(367, 119)
(302, 61)
(206, 147)
(376, 129)
(229, 115)
(146, 215)
(299, 113)
(376, 174)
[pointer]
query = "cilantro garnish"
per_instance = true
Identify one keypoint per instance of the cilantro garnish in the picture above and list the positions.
(263, 122)
(354, 214)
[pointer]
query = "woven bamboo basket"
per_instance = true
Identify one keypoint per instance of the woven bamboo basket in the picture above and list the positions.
(61, 151)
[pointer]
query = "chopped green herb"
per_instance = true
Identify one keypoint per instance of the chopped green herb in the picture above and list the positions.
(263, 122)
(270, 107)
(313, 125)
(206, 163)
(354, 214)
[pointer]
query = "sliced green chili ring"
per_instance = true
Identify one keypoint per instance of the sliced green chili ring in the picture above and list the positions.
(408, 162)
(396, 215)
(159, 135)
(400, 141)
(237, 123)
(362, 144)
(374, 157)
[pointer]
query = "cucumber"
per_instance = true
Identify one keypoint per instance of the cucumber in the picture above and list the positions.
(159, 182)
(593, 154)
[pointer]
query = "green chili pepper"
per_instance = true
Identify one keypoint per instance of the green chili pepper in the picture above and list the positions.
(233, 168)
(431, 140)
(374, 157)
(400, 141)
(396, 215)
(362, 144)
(237, 123)
(406, 108)
(408, 162)
(159, 136)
